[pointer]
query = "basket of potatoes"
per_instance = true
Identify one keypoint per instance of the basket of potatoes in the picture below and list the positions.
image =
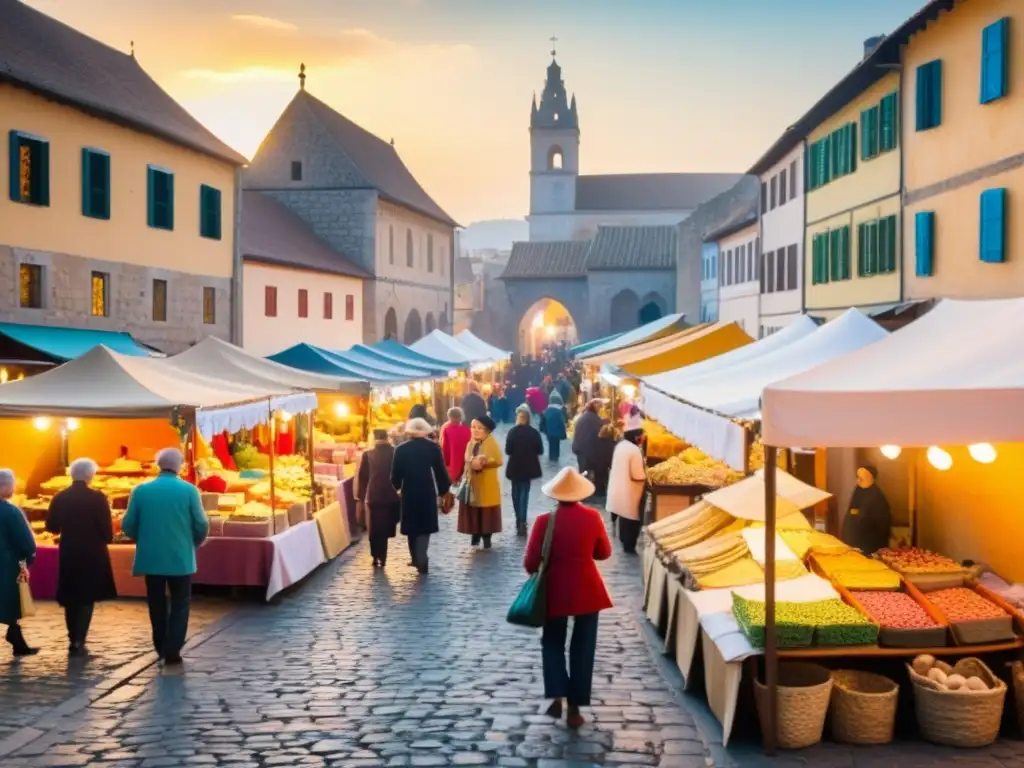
(960, 706)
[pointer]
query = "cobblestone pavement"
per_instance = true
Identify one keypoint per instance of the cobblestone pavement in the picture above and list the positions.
(365, 668)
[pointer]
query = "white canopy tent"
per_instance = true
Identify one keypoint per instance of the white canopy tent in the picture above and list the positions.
(468, 339)
(440, 346)
(701, 411)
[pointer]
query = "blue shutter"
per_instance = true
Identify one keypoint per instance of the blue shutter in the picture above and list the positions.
(887, 131)
(992, 232)
(994, 60)
(921, 98)
(924, 243)
(929, 95)
(151, 197)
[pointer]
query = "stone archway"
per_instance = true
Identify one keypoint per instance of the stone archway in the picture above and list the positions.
(413, 328)
(625, 311)
(391, 324)
(546, 321)
(430, 322)
(652, 307)
(442, 320)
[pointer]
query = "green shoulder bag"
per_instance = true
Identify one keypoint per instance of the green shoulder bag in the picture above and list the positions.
(530, 608)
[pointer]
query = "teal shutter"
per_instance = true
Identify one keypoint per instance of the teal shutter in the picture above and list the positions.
(924, 237)
(888, 119)
(851, 147)
(861, 242)
(992, 232)
(151, 197)
(104, 189)
(170, 200)
(816, 260)
(210, 212)
(837, 153)
(824, 161)
(42, 169)
(994, 60)
(86, 183)
(936, 93)
(869, 130)
(835, 255)
(14, 154)
(844, 244)
(891, 245)
(809, 166)
(929, 95)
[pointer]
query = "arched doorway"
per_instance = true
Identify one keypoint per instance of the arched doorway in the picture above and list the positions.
(625, 311)
(546, 322)
(430, 322)
(413, 328)
(652, 308)
(442, 321)
(391, 325)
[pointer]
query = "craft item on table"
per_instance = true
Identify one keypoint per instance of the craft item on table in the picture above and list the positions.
(837, 623)
(708, 522)
(793, 629)
(738, 574)
(824, 622)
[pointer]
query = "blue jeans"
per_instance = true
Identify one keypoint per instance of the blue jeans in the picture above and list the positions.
(520, 499)
(554, 448)
(574, 684)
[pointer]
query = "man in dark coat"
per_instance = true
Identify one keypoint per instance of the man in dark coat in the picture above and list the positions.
(17, 546)
(473, 405)
(380, 501)
(584, 436)
(81, 515)
(419, 474)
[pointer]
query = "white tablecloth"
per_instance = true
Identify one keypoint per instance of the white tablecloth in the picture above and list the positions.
(297, 553)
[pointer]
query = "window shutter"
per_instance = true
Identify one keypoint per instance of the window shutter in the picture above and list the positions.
(14, 156)
(835, 255)
(994, 60)
(844, 241)
(824, 161)
(888, 119)
(43, 169)
(86, 183)
(851, 147)
(151, 197)
(170, 200)
(105, 186)
(880, 246)
(993, 226)
(891, 245)
(935, 92)
(861, 255)
(811, 166)
(924, 237)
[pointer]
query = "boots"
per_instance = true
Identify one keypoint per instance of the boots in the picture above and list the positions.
(17, 641)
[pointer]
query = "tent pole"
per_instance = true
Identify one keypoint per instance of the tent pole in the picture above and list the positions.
(273, 450)
(312, 461)
(912, 481)
(193, 435)
(771, 658)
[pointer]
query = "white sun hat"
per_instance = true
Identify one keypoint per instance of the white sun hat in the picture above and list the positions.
(568, 486)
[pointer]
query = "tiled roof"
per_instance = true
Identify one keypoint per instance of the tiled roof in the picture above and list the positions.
(741, 217)
(463, 271)
(564, 259)
(272, 234)
(650, 247)
(43, 55)
(650, 191)
(377, 160)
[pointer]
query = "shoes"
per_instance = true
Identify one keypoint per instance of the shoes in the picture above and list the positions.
(474, 541)
(521, 529)
(555, 710)
(173, 661)
(574, 719)
(423, 570)
(25, 651)
(76, 649)
(487, 543)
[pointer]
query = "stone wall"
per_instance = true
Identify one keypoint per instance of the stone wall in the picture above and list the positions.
(66, 298)
(523, 294)
(657, 285)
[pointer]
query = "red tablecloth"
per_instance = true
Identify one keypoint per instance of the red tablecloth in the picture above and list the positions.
(43, 572)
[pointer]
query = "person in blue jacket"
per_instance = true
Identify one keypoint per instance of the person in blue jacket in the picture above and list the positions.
(17, 546)
(554, 420)
(166, 520)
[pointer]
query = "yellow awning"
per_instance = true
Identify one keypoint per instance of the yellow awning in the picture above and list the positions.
(702, 343)
(646, 348)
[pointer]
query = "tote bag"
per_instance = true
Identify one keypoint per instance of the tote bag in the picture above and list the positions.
(530, 608)
(464, 490)
(28, 606)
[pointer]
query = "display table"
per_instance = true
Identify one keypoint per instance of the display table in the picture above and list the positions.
(347, 497)
(43, 572)
(334, 531)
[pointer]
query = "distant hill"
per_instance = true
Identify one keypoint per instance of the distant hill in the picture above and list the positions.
(494, 233)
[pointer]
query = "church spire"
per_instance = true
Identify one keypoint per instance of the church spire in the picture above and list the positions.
(555, 110)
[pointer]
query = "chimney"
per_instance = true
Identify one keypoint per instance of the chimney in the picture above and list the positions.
(871, 43)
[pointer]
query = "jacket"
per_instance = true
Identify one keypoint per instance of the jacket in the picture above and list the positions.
(626, 481)
(81, 515)
(418, 473)
(373, 480)
(584, 435)
(16, 544)
(485, 485)
(554, 422)
(454, 439)
(524, 447)
(166, 521)
(574, 584)
(473, 407)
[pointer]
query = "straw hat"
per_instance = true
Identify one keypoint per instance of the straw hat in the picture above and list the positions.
(418, 428)
(568, 486)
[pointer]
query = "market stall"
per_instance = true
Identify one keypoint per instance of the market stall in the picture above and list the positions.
(665, 326)
(491, 352)
(440, 346)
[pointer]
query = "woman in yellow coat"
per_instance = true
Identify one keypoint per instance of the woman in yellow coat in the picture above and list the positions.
(480, 515)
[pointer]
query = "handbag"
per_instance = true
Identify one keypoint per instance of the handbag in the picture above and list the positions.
(464, 491)
(530, 608)
(28, 606)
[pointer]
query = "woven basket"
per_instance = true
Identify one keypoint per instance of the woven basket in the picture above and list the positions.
(803, 696)
(957, 718)
(863, 707)
(1018, 691)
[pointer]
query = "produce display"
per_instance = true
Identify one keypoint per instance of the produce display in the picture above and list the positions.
(941, 676)
(741, 573)
(693, 467)
(963, 604)
(248, 456)
(661, 444)
(808, 540)
(252, 511)
(823, 622)
(910, 560)
(837, 623)
(855, 571)
(705, 522)
(895, 610)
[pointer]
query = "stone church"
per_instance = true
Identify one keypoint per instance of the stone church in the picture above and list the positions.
(605, 247)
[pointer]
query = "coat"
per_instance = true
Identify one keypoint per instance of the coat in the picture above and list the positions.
(167, 522)
(524, 447)
(584, 436)
(454, 439)
(574, 584)
(473, 407)
(418, 473)
(485, 485)
(81, 515)
(16, 545)
(626, 481)
(373, 490)
(554, 422)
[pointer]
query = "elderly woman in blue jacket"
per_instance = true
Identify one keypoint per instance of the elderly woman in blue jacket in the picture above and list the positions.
(166, 520)
(554, 421)
(17, 546)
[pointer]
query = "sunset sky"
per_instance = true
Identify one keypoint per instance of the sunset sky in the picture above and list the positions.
(662, 85)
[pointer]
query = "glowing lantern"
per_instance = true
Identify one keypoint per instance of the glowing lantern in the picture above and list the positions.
(71, 424)
(983, 453)
(341, 409)
(42, 423)
(939, 459)
(891, 451)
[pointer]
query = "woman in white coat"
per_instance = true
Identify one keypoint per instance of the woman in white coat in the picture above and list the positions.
(626, 488)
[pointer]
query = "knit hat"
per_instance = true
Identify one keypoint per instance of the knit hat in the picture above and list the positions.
(487, 422)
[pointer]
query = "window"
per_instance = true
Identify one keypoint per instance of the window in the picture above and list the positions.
(30, 286)
(408, 248)
(792, 268)
(209, 306)
(819, 165)
(391, 244)
(876, 247)
(830, 256)
(832, 156)
(764, 271)
(430, 253)
(819, 259)
(29, 169)
(95, 184)
(792, 180)
(270, 301)
(782, 186)
(869, 124)
(209, 212)
(774, 190)
(296, 170)
(924, 243)
(993, 226)
(751, 261)
(844, 149)
(741, 264)
(929, 95)
(350, 307)
(888, 119)
(764, 197)
(780, 270)
(303, 302)
(994, 60)
(99, 294)
(159, 301)
(328, 306)
(728, 267)
(160, 198)
(769, 280)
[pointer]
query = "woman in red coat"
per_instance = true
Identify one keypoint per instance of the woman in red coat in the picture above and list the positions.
(455, 436)
(574, 588)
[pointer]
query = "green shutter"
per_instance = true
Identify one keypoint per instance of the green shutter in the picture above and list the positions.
(835, 255)
(992, 232)
(889, 119)
(929, 95)
(170, 200)
(14, 155)
(851, 147)
(811, 166)
(209, 212)
(924, 241)
(86, 183)
(869, 133)
(844, 258)
(890, 246)
(860, 250)
(151, 197)
(42, 170)
(994, 60)
(816, 258)
(105, 189)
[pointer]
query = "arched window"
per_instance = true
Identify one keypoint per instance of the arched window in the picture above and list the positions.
(408, 248)
(555, 158)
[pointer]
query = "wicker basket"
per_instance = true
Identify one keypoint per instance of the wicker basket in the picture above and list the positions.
(803, 696)
(1018, 691)
(863, 707)
(956, 718)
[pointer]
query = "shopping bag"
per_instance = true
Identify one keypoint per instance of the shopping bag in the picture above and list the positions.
(530, 608)
(28, 606)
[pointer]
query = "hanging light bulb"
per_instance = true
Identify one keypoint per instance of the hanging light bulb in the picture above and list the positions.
(891, 451)
(341, 409)
(983, 453)
(71, 424)
(42, 423)
(939, 459)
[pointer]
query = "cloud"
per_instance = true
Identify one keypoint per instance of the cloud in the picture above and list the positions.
(266, 22)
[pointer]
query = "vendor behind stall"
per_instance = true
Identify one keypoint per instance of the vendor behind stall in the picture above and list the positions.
(869, 519)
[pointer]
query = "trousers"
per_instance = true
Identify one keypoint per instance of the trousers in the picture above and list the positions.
(554, 448)
(520, 499)
(77, 618)
(379, 547)
(169, 619)
(575, 683)
(418, 546)
(629, 532)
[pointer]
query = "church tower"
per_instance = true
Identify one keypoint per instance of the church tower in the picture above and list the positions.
(554, 159)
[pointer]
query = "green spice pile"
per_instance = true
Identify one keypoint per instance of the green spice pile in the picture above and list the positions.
(823, 622)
